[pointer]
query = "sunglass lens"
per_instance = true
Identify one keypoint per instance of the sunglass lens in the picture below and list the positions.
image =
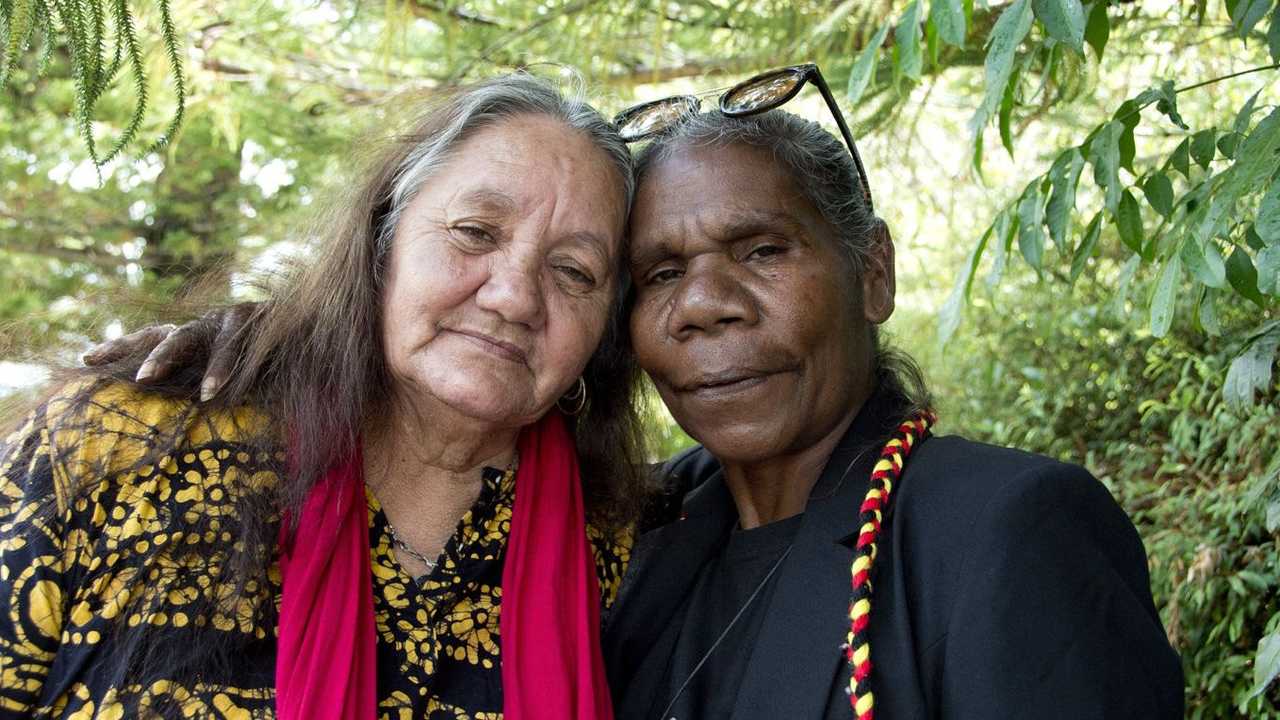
(652, 118)
(762, 93)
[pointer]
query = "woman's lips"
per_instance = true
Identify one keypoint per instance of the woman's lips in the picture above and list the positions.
(501, 348)
(728, 382)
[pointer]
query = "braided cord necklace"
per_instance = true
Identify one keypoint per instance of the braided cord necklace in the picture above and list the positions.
(887, 471)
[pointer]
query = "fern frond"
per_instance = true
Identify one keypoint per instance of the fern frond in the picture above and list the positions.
(129, 35)
(18, 36)
(175, 65)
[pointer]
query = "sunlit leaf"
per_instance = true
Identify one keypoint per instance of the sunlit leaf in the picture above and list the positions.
(1204, 262)
(948, 16)
(1164, 298)
(1267, 223)
(1245, 116)
(1031, 229)
(1010, 29)
(864, 67)
(1064, 176)
(1250, 372)
(1104, 153)
(1269, 270)
(1064, 20)
(906, 46)
(1208, 314)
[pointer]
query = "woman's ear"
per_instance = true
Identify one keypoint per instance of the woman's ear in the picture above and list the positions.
(878, 282)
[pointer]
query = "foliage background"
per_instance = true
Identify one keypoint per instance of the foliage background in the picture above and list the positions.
(1083, 195)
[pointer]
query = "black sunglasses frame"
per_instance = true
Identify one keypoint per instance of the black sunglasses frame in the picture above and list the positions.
(806, 73)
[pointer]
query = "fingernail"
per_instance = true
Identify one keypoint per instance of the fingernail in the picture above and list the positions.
(146, 371)
(209, 388)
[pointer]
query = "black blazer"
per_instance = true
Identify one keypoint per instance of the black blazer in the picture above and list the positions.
(1008, 585)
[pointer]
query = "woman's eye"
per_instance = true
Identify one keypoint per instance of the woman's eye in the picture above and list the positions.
(765, 251)
(474, 235)
(576, 275)
(663, 275)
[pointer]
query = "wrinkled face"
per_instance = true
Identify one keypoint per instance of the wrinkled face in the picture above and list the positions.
(747, 317)
(501, 272)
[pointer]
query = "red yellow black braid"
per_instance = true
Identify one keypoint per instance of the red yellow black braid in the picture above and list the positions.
(883, 477)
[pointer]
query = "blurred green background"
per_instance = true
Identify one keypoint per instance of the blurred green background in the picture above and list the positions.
(1084, 198)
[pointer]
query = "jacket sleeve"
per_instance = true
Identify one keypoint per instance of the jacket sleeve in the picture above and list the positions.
(33, 587)
(1053, 616)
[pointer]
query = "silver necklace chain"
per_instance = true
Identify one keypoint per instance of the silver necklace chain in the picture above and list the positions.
(432, 564)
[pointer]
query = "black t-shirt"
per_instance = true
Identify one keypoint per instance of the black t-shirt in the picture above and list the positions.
(724, 589)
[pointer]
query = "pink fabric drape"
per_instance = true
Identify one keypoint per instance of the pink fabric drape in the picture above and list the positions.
(552, 667)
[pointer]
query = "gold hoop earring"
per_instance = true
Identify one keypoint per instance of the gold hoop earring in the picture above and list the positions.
(575, 398)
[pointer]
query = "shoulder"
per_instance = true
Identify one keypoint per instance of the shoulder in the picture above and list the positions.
(101, 448)
(961, 500)
(955, 481)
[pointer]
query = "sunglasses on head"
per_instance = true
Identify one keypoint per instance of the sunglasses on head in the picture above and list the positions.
(758, 94)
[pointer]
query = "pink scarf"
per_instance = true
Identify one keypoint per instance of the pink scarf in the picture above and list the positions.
(552, 668)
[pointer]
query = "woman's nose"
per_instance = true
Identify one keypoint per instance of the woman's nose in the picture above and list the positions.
(710, 299)
(513, 289)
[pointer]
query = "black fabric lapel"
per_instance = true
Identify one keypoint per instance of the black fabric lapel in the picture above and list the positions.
(797, 653)
(664, 566)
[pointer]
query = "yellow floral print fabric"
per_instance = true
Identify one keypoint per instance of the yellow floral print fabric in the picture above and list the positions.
(100, 535)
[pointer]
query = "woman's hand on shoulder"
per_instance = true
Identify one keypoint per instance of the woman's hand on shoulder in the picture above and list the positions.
(210, 339)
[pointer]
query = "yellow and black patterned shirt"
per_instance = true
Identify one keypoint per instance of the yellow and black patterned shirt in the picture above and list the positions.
(99, 535)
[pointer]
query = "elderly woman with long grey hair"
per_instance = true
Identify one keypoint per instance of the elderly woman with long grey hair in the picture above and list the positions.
(399, 452)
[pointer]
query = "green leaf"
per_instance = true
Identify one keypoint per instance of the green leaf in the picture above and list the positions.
(1063, 176)
(1098, 27)
(1064, 20)
(1269, 270)
(906, 39)
(1248, 373)
(1159, 191)
(1203, 147)
(1167, 103)
(1247, 13)
(1086, 248)
(1243, 277)
(1031, 229)
(1006, 228)
(1104, 153)
(1273, 36)
(1164, 297)
(860, 75)
(1267, 224)
(1010, 29)
(1252, 239)
(948, 16)
(949, 315)
(1209, 314)
(1180, 160)
(1245, 116)
(1204, 261)
(1228, 143)
(1129, 222)
(1006, 113)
